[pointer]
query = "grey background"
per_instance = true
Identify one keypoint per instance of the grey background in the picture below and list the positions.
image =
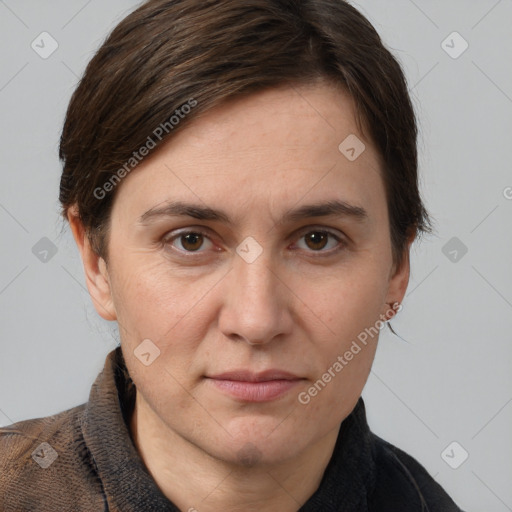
(448, 380)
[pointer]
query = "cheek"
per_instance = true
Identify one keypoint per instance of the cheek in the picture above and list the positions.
(346, 303)
(154, 302)
(344, 363)
(345, 326)
(164, 390)
(150, 298)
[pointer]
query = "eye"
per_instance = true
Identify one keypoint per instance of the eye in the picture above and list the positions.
(188, 241)
(315, 240)
(318, 239)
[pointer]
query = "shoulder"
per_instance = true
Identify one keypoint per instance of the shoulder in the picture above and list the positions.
(45, 465)
(401, 481)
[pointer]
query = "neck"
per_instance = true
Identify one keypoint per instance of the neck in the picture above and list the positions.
(195, 481)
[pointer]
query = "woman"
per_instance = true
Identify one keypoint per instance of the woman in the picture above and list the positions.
(241, 182)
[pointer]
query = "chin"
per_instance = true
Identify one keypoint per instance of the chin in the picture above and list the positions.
(263, 442)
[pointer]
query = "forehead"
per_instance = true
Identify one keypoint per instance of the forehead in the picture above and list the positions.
(280, 146)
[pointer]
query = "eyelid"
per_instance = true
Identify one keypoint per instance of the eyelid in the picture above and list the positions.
(318, 227)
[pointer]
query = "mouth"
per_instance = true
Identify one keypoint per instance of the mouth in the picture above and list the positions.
(247, 386)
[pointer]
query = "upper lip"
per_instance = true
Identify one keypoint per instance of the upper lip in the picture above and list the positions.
(248, 376)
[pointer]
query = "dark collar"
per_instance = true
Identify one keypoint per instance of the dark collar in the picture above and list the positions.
(128, 485)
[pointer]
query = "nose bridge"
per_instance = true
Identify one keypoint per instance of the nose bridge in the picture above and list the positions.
(256, 279)
(253, 266)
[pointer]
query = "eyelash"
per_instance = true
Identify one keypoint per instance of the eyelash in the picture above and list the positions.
(167, 240)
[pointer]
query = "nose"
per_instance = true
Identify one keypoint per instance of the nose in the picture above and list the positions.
(256, 302)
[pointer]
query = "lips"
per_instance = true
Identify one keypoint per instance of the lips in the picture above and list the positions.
(248, 386)
(247, 376)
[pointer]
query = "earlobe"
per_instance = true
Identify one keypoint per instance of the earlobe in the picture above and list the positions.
(95, 269)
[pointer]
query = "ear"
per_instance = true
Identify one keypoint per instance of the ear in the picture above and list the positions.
(399, 279)
(95, 269)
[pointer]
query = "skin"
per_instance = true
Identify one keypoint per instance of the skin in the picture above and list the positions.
(297, 307)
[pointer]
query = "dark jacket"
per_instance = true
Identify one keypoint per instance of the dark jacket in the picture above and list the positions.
(83, 459)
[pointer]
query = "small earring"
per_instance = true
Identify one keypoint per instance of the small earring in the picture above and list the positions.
(396, 307)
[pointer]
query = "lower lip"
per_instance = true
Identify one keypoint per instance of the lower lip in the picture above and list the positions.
(255, 391)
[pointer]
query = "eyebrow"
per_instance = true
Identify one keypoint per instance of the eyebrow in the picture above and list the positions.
(333, 208)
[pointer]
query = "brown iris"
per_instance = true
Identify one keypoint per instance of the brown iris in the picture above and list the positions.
(318, 239)
(192, 241)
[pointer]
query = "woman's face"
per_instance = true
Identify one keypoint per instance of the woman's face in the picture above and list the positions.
(259, 275)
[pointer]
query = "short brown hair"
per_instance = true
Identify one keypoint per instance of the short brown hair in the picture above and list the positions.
(169, 51)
